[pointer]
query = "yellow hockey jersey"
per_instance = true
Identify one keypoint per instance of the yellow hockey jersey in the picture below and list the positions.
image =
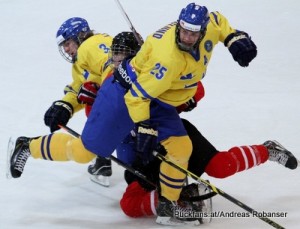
(92, 64)
(166, 73)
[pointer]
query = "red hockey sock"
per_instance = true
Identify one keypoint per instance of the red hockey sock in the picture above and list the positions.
(137, 202)
(237, 159)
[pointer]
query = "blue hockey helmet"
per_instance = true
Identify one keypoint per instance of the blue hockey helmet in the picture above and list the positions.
(74, 28)
(194, 17)
(71, 29)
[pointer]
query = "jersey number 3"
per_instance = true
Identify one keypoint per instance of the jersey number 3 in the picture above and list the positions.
(104, 48)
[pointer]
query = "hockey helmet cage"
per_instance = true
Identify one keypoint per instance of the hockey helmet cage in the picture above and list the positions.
(125, 42)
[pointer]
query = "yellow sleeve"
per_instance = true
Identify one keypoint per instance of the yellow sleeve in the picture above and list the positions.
(71, 96)
(93, 58)
(92, 61)
(221, 21)
(138, 109)
(156, 72)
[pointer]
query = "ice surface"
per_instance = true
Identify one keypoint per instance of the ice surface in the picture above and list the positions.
(242, 106)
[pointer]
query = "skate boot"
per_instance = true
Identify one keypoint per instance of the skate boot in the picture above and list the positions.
(202, 200)
(172, 214)
(17, 156)
(100, 171)
(280, 154)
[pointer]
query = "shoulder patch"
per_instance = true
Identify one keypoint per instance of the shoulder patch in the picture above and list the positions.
(208, 45)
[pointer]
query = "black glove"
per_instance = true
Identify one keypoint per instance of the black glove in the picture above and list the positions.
(149, 171)
(59, 113)
(87, 93)
(146, 140)
(191, 104)
(241, 47)
(188, 106)
(122, 74)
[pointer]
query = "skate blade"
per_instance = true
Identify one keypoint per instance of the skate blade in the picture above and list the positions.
(206, 204)
(170, 221)
(99, 179)
(10, 150)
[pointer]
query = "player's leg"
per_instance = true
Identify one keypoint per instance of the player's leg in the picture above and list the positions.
(53, 147)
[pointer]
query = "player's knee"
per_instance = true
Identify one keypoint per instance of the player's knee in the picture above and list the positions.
(78, 153)
(178, 149)
(221, 165)
(131, 200)
(129, 207)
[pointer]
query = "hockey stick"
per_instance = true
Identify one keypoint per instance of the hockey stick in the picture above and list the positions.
(188, 173)
(217, 190)
(119, 162)
(137, 36)
(136, 172)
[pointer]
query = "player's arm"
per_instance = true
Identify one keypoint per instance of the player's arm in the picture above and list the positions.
(192, 103)
(87, 68)
(62, 110)
(149, 85)
(155, 75)
(239, 43)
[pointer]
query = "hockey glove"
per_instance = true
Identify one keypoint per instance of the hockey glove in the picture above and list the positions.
(192, 103)
(146, 140)
(241, 47)
(59, 113)
(188, 106)
(87, 93)
(149, 171)
(123, 74)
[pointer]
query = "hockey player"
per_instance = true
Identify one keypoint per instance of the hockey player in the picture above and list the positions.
(143, 95)
(163, 75)
(160, 77)
(141, 198)
(123, 45)
(89, 54)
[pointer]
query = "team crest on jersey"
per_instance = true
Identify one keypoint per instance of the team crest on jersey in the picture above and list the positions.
(208, 45)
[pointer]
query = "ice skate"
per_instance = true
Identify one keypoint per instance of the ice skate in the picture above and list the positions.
(281, 155)
(204, 207)
(17, 155)
(100, 171)
(172, 214)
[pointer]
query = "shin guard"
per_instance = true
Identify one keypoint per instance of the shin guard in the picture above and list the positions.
(237, 159)
(178, 150)
(60, 147)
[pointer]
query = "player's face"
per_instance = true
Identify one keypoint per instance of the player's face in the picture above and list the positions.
(70, 47)
(188, 38)
(117, 58)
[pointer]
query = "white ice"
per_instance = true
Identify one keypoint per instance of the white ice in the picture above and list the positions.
(242, 106)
